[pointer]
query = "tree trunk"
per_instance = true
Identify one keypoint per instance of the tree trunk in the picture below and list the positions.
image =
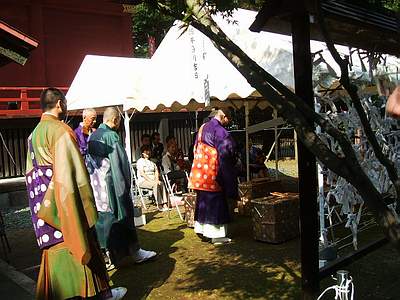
(347, 167)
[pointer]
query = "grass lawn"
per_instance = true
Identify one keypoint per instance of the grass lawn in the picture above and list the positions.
(188, 268)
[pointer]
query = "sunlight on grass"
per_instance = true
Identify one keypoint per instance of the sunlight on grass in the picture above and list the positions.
(188, 268)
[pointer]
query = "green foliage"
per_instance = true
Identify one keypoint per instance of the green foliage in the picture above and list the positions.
(378, 4)
(392, 5)
(148, 21)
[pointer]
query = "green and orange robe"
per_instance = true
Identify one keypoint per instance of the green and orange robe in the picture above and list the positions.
(64, 215)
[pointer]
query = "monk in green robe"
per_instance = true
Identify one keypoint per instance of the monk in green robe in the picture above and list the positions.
(63, 210)
(110, 174)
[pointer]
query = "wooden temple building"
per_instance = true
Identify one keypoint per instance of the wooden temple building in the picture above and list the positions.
(65, 31)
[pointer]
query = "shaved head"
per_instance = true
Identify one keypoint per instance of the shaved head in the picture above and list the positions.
(223, 115)
(110, 114)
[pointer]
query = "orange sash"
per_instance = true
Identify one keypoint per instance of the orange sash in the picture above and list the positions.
(205, 167)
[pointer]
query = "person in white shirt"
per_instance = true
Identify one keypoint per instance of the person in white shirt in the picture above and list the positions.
(148, 177)
(171, 167)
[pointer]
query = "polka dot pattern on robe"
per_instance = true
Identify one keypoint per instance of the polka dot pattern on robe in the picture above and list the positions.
(39, 180)
(49, 172)
(98, 179)
(45, 238)
(40, 223)
(204, 169)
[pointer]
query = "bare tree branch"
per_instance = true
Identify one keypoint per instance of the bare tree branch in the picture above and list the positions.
(297, 112)
(352, 91)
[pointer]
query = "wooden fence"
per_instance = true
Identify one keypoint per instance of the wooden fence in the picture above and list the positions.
(15, 134)
(286, 148)
(13, 146)
(181, 125)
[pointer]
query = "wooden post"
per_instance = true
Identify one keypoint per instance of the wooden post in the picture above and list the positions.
(246, 114)
(276, 146)
(296, 155)
(306, 160)
(24, 99)
(128, 147)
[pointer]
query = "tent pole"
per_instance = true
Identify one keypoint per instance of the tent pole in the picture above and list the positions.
(276, 145)
(246, 113)
(197, 119)
(295, 146)
(128, 148)
(321, 197)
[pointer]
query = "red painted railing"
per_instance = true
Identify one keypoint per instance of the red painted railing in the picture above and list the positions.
(21, 102)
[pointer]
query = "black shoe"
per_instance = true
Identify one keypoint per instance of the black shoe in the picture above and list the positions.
(203, 238)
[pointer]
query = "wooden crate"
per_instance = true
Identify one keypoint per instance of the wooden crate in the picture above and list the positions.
(190, 205)
(244, 206)
(256, 188)
(276, 217)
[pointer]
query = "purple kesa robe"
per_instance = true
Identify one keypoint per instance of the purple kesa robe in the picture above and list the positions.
(212, 207)
(82, 139)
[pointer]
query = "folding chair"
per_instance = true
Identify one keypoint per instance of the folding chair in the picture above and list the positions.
(142, 193)
(136, 191)
(174, 197)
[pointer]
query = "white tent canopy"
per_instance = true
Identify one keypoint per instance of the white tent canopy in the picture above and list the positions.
(105, 81)
(187, 70)
(186, 59)
(175, 76)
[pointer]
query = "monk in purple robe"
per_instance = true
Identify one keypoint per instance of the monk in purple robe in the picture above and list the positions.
(212, 213)
(85, 129)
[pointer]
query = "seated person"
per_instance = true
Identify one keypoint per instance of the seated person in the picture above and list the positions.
(179, 157)
(148, 177)
(145, 140)
(259, 167)
(256, 161)
(157, 148)
(172, 168)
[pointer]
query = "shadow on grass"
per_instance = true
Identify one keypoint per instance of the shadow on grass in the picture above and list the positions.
(245, 269)
(141, 279)
(152, 214)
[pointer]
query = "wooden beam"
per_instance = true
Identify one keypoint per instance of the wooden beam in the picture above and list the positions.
(307, 168)
(266, 124)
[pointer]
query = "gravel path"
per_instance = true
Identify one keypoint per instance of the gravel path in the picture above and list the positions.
(17, 218)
